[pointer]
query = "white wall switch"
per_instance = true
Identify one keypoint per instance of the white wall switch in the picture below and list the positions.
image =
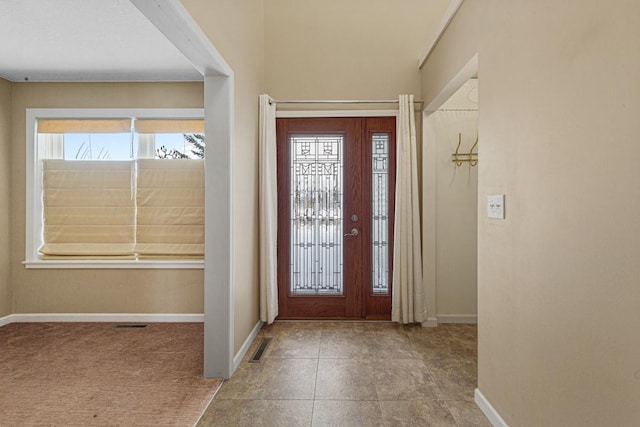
(495, 206)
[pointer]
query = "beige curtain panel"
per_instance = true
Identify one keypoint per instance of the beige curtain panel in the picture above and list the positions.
(408, 303)
(268, 211)
(89, 210)
(170, 214)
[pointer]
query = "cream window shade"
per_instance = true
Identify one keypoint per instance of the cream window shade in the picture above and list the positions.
(170, 215)
(88, 209)
(169, 125)
(84, 125)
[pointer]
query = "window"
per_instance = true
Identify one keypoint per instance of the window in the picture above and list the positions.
(115, 187)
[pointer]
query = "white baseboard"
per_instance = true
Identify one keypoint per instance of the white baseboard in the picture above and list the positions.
(245, 346)
(431, 322)
(107, 317)
(457, 318)
(6, 320)
(489, 411)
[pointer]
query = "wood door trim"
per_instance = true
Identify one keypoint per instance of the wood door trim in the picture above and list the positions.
(378, 306)
(349, 303)
(357, 302)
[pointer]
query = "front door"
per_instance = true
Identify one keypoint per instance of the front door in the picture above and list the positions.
(336, 182)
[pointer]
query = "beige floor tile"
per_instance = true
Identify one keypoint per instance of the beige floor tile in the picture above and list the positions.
(467, 414)
(345, 379)
(454, 384)
(272, 379)
(344, 345)
(294, 343)
(355, 374)
(258, 413)
(418, 413)
(367, 343)
(404, 379)
(347, 413)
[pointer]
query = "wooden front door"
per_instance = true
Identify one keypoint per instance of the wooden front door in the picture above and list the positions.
(336, 182)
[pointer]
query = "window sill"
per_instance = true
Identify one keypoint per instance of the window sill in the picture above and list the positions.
(119, 264)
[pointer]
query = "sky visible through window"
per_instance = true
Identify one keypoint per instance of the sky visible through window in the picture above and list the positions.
(117, 146)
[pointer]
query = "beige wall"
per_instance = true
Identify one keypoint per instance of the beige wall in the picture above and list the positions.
(357, 49)
(235, 29)
(456, 216)
(456, 202)
(95, 291)
(304, 50)
(558, 280)
(467, 24)
(6, 305)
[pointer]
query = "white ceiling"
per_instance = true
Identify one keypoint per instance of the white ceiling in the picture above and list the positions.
(85, 40)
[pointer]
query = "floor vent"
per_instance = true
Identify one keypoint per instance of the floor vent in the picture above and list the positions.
(257, 356)
(130, 326)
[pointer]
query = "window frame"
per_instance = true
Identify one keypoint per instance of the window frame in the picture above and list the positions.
(33, 214)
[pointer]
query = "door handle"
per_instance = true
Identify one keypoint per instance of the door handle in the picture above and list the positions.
(354, 232)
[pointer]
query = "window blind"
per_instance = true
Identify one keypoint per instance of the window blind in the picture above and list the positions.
(84, 125)
(88, 209)
(170, 213)
(169, 125)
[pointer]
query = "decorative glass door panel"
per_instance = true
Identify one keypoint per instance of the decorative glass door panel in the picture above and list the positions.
(316, 214)
(335, 224)
(380, 213)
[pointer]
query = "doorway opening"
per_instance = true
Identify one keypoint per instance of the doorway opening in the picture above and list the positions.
(336, 193)
(450, 199)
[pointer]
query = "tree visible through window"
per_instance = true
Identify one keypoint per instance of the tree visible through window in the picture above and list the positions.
(194, 140)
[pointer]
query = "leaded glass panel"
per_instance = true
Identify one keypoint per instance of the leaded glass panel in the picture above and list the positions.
(316, 221)
(380, 213)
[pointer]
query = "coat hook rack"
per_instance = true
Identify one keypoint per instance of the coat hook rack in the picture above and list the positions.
(470, 157)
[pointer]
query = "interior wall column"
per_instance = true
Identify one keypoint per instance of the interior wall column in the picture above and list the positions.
(218, 272)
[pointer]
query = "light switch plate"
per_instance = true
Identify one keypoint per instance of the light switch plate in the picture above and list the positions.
(495, 206)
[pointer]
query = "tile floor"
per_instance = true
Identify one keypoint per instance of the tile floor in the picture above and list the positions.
(354, 374)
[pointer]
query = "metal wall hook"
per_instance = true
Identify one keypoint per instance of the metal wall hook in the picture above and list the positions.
(455, 155)
(471, 162)
(471, 157)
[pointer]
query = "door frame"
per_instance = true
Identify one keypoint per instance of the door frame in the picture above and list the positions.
(348, 302)
(337, 114)
(429, 165)
(291, 114)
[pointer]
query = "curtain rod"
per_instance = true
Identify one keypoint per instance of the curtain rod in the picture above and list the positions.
(456, 109)
(343, 101)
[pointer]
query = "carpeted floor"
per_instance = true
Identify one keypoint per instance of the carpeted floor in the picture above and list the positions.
(92, 374)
